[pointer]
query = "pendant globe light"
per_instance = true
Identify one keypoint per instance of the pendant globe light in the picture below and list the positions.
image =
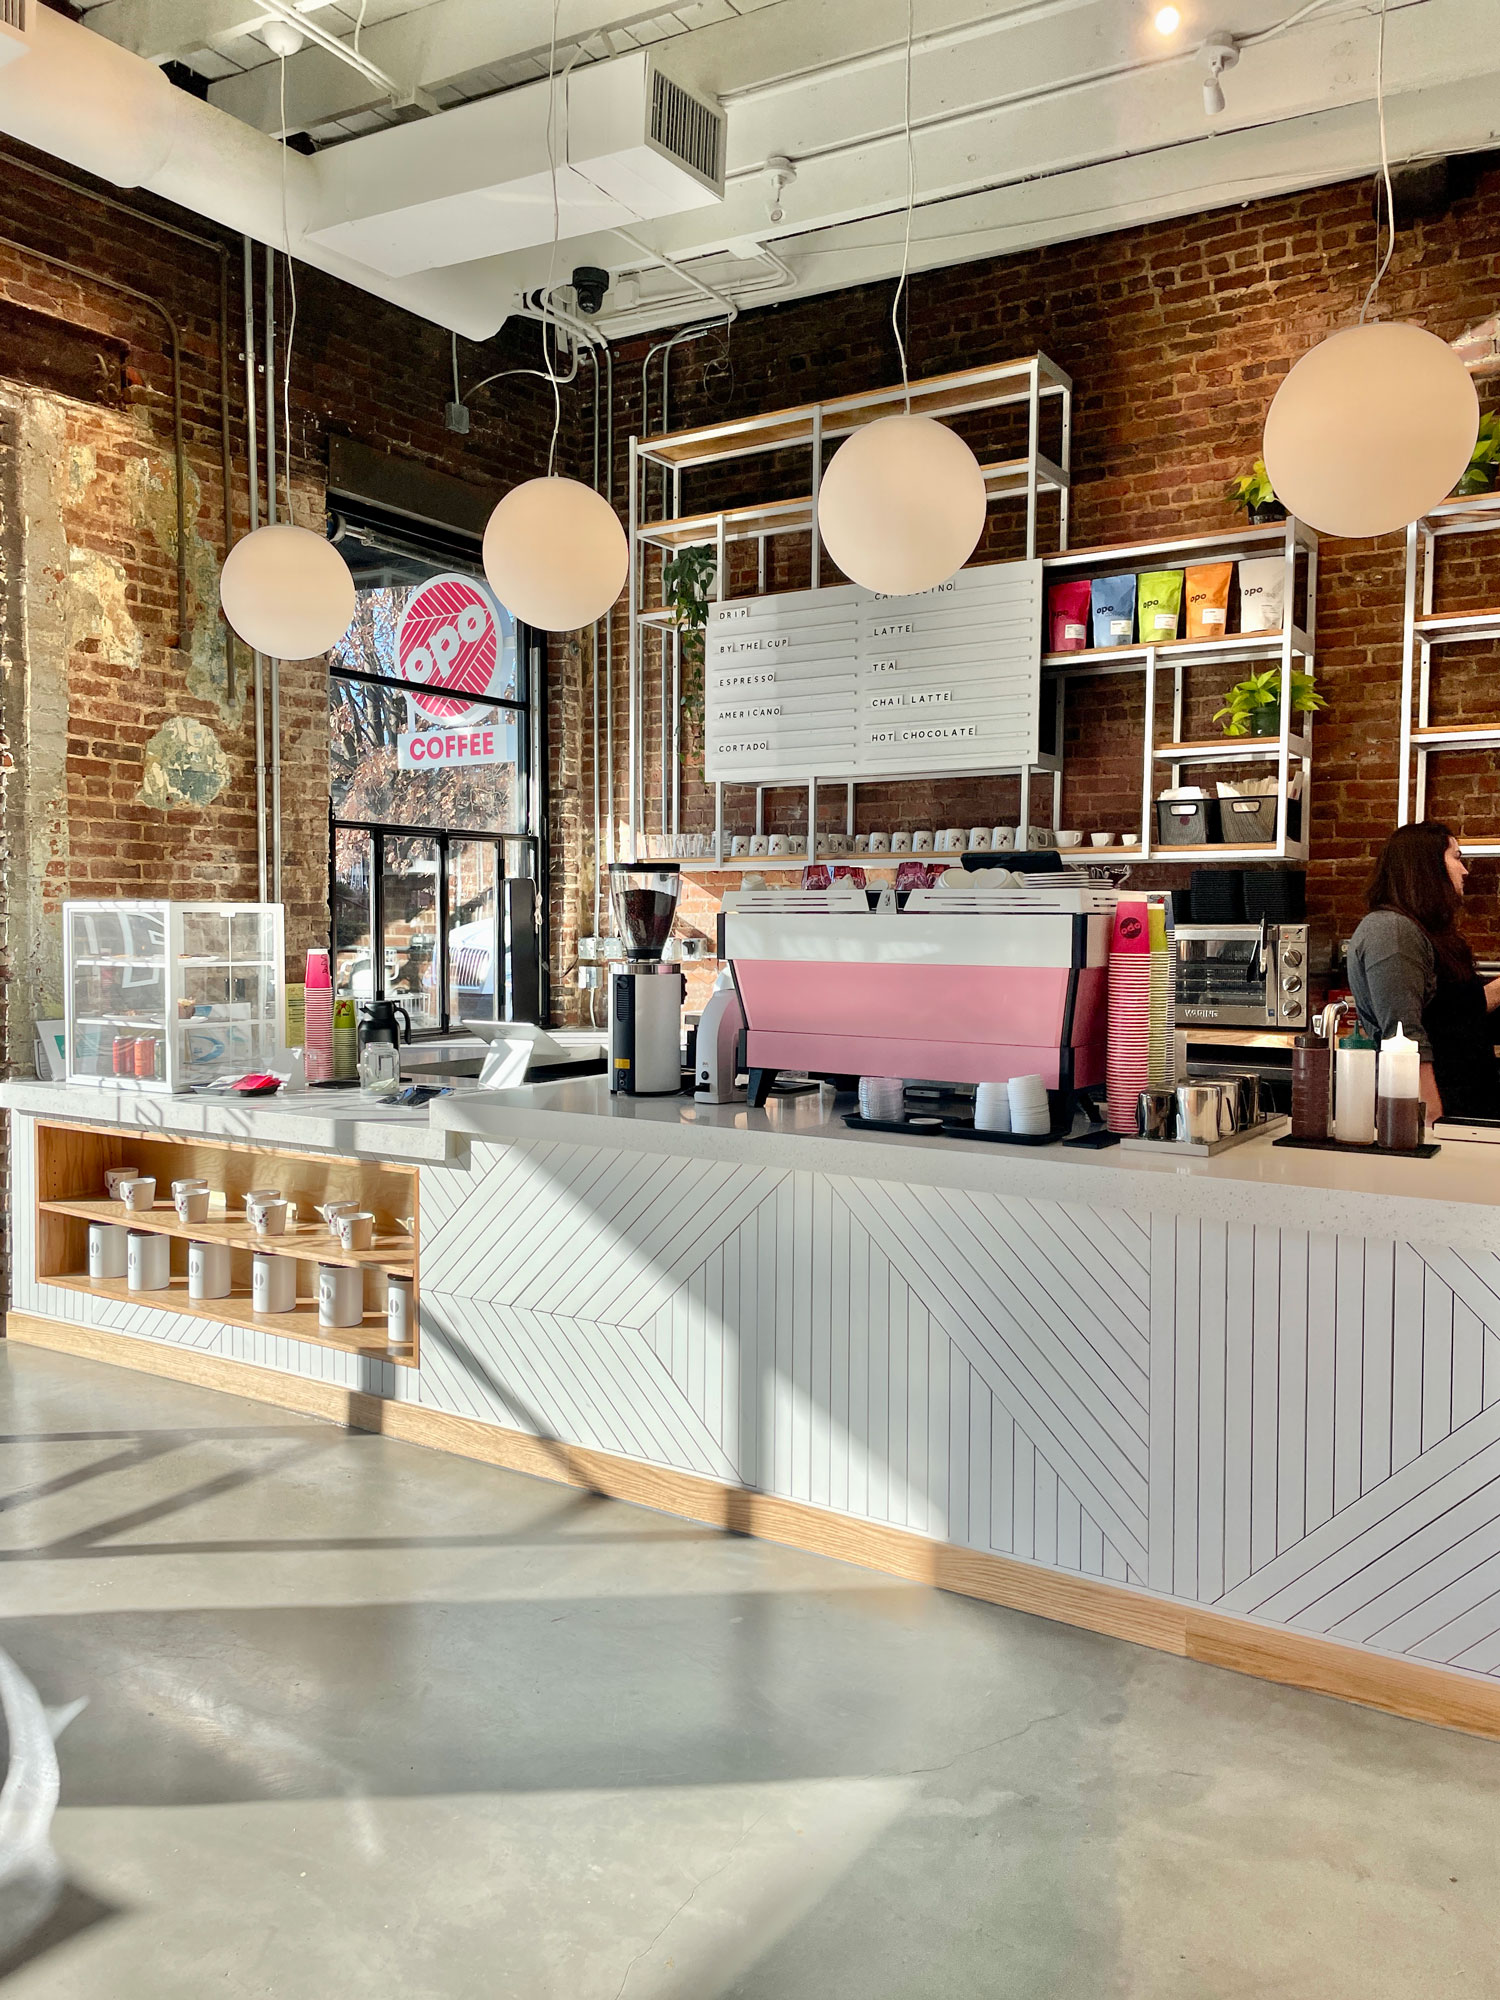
(1429, 412)
(285, 591)
(902, 504)
(555, 553)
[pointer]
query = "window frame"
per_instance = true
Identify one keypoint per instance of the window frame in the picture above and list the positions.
(529, 707)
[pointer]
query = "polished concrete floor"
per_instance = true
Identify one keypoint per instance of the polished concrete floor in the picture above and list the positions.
(364, 1719)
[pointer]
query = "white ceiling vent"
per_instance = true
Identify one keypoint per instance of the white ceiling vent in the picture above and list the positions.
(631, 145)
(14, 38)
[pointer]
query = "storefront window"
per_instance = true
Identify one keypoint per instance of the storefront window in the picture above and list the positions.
(431, 795)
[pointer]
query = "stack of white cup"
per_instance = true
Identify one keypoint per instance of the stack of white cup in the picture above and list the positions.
(992, 1107)
(882, 1097)
(1029, 1111)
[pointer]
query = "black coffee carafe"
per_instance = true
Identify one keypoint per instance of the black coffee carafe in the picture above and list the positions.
(378, 1022)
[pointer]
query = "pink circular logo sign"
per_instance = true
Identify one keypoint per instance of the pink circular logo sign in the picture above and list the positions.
(451, 636)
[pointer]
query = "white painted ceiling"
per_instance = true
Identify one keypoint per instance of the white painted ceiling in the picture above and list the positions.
(1034, 120)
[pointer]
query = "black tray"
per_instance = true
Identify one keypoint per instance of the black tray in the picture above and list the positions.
(954, 1128)
(1095, 1139)
(903, 1125)
(1424, 1152)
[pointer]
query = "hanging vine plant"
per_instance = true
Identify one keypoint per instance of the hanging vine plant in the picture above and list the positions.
(686, 581)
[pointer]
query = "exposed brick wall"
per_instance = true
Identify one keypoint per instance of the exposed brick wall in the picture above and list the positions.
(1176, 336)
(360, 368)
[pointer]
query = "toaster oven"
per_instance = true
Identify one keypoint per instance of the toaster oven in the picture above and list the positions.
(1242, 975)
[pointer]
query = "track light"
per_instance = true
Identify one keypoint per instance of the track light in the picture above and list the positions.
(780, 173)
(1219, 52)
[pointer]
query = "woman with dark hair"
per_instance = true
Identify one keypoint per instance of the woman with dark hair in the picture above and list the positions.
(1409, 965)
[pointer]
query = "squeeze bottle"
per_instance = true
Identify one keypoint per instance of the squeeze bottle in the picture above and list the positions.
(1354, 1092)
(1398, 1107)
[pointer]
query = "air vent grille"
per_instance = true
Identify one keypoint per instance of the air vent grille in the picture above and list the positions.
(690, 131)
(13, 15)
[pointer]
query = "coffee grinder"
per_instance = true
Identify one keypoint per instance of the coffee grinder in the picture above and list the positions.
(645, 1001)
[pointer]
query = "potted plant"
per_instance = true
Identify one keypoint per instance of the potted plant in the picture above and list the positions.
(686, 580)
(1253, 706)
(1479, 474)
(1254, 492)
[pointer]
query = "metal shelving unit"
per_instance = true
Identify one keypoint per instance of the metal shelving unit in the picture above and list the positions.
(1292, 646)
(1426, 630)
(1032, 381)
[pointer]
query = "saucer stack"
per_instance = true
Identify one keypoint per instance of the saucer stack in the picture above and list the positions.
(882, 1098)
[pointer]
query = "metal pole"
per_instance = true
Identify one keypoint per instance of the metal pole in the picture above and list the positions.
(257, 659)
(275, 665)
(633, 633)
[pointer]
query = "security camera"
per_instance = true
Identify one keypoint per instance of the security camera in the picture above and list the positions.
(1218, 52)
(590, 283)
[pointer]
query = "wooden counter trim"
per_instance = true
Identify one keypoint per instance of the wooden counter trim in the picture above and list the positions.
(1321, 1666)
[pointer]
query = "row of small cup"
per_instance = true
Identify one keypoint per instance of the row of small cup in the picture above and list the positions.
(1018, 1105)
(144, 1260)
(267, 1212)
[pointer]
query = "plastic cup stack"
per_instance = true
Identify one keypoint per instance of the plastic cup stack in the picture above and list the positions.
(992, 1107)
(1029, 1111)
(882, 1098)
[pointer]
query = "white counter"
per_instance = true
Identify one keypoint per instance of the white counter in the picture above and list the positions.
(1264, 1386)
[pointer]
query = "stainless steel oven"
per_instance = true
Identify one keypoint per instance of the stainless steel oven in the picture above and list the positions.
(1242, 975)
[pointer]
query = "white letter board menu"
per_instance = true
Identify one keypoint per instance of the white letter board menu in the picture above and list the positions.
(840, 683)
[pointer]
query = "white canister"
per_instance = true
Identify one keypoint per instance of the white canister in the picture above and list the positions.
(273, 1284)
(208, 1271)
(341, 1295)
(400, 1310)
(148, 1262)
(107, 1249)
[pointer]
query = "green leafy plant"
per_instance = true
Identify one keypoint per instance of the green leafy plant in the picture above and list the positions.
(1253, 706)
(1253, 489)
(1479, 474)
(686, 580)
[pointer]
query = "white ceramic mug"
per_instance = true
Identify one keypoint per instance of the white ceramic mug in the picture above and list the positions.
(208, 1271)
(757, 843)
(341, 1295)
(356, 1230)
(400, 1310)
(880, 843)
(148, 1262)
(115, 1178)
(107, 1245)
(739, 843)
(1101, 840)
(139, 1195)
(979, 839)
(901, 842)
(330, 1211)
(1002, 839)
(273, 1284)
(921, 842)
(861, 843)
(191, 1203)
(778, 844)
(267, 1216)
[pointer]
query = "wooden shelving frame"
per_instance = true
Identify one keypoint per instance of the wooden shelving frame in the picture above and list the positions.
(1427, 629)
(71, 1163)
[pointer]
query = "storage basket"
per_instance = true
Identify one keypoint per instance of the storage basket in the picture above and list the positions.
(1252, 822)
(1187, 822)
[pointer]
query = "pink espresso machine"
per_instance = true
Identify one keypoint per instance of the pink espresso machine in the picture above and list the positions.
(959, 987)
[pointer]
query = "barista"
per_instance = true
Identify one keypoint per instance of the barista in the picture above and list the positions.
(1409, 965)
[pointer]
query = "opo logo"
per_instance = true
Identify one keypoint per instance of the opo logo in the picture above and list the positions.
(452, 636)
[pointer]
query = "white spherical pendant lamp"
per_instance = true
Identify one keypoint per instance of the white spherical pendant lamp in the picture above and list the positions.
(902, 505)
(555, 554)
(287, 592)
(1371, 429)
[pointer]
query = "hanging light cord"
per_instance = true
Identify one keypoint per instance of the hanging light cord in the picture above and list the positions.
(291, 324)
(911, 195)
(556, 233)
(1382, 263)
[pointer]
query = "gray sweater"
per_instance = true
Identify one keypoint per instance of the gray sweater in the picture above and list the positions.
(1393, 976)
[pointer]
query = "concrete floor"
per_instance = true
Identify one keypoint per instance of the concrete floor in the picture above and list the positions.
(365, 1718)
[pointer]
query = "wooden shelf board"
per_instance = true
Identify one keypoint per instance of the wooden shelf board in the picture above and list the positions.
(779, 430)
(1139, 555)
(1228, 749)
(299, 1324)
(1003, 480)
(1133, 658)
(1457, 736)
(308, 1243)
(1436, 625)
(1209, 851)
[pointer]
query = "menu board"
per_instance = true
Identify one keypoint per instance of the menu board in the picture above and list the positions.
(842, 683)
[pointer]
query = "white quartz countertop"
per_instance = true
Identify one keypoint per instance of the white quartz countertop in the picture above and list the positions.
(1453, 1197)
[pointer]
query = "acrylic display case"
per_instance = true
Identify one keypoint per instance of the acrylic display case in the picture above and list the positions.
(167, 996)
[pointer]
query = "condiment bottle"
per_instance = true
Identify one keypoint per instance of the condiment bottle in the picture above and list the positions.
(1312, 1079)
(1354, 1092)
(1398, 1107)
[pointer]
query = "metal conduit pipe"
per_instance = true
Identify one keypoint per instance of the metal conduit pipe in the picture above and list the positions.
(274, 745)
